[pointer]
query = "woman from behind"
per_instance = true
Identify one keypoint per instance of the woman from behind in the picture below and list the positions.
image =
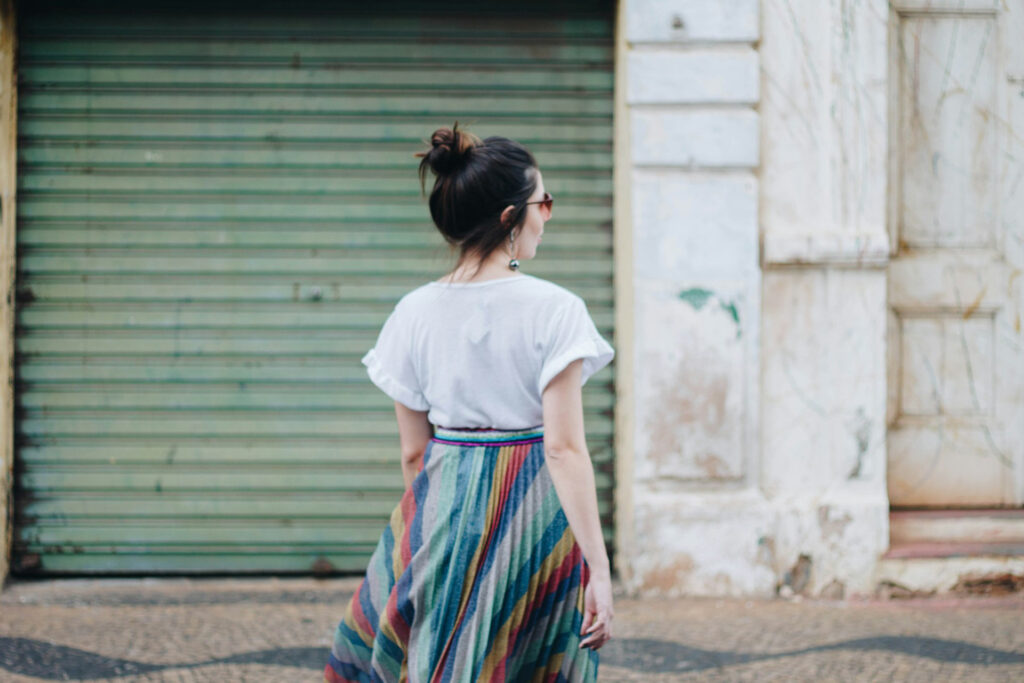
(493, 565)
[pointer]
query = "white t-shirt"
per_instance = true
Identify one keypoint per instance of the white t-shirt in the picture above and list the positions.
(479, 354)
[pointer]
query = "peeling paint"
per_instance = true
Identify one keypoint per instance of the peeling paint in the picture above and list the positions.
(692, 399)
(696, 297)
(799, 576)
(835, 590)
(1004, 583)
(832, 528)
(730, 308)
(891, 590)
(671, 576)
(766, 551)
(862, 434)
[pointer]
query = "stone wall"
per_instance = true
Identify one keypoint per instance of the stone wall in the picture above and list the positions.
(823, 215)
(758, 141)
(692, 90)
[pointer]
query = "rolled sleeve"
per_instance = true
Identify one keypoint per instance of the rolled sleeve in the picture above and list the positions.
(574, 335)
(389, 363)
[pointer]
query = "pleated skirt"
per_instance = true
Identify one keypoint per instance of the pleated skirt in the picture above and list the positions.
(477, 576)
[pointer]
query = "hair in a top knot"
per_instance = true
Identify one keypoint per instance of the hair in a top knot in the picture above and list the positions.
(449, 148)
(476, 180)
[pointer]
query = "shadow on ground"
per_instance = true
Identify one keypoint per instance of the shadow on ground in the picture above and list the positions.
(39, 659)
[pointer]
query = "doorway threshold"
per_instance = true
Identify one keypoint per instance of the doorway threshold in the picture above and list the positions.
(919, 534)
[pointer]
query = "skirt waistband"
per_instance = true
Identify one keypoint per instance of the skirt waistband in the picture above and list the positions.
(478, 437)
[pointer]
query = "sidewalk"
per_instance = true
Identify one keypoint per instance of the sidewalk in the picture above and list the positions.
(279, 630)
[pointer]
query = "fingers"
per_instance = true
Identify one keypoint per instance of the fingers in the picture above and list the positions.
(587, 620)
(596, 640)
(590, 624)
(598, 634)
(602, 618)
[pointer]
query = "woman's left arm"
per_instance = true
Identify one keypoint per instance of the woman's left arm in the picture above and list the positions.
(414, 433)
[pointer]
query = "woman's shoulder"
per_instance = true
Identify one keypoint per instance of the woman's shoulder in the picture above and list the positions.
(550, 288)
(535, 295)
(555, 297)
(539, 291)
(513, 285)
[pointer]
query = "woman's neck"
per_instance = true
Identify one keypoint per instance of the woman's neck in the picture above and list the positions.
(493, 268)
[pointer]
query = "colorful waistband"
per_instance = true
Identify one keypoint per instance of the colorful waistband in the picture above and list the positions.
(478, 437)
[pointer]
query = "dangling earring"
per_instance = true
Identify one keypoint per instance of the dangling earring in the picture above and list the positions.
(513, 263)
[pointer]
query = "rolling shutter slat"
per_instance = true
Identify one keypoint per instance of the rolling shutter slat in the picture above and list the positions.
(216, 212)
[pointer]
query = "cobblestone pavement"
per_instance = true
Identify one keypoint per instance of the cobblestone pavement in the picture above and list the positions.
(279, 629)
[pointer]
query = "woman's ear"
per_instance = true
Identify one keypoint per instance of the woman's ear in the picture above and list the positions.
(506, 213)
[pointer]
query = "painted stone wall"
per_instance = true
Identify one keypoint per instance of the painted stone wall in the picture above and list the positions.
(759, 442)
(823, 215)
(692, 90)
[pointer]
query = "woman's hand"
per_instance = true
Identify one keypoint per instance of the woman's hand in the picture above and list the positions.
(597, 606)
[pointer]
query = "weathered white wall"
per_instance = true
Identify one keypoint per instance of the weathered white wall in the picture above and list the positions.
(823, 413)
(692, 88)
(823, 217)
(759, 430)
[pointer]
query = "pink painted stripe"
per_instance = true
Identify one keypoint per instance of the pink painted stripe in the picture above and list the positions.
(953, 549)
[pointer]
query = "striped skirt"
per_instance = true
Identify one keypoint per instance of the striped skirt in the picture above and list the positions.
(477, 577)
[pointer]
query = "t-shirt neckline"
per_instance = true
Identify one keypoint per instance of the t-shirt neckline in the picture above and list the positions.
(496, 280)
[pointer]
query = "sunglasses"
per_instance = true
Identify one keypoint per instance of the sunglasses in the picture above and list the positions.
(546, 202)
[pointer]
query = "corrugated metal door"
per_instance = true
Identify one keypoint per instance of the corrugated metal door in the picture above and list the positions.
(217, 212)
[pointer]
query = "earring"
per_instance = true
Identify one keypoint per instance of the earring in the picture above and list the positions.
(513, 263)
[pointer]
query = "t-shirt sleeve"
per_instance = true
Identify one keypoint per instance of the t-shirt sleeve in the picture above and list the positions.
(573, 335)
(389, 363)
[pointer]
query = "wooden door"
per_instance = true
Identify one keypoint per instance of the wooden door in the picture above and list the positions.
(956, 349)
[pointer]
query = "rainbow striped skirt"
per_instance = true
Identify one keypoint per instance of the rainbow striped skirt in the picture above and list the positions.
(477, 576)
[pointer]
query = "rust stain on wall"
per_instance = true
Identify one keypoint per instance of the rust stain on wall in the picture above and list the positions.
(694, 394)
(669, 576)
(715, 467)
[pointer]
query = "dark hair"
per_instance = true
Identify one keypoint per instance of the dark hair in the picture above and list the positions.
(476, 180)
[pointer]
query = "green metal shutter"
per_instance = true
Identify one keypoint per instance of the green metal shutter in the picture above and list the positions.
(217, 212)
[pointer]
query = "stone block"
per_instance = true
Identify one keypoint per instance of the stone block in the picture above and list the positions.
(695, 226)
(699, 76)
(695, 139)
(681, 21)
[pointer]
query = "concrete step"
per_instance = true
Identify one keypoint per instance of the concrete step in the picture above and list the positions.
(955, 533)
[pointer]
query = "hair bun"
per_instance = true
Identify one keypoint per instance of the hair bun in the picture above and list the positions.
(449, 149)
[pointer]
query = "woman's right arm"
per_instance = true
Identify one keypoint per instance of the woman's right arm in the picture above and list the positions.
(568, 462)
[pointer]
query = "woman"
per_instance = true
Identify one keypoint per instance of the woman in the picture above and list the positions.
(493, 566)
